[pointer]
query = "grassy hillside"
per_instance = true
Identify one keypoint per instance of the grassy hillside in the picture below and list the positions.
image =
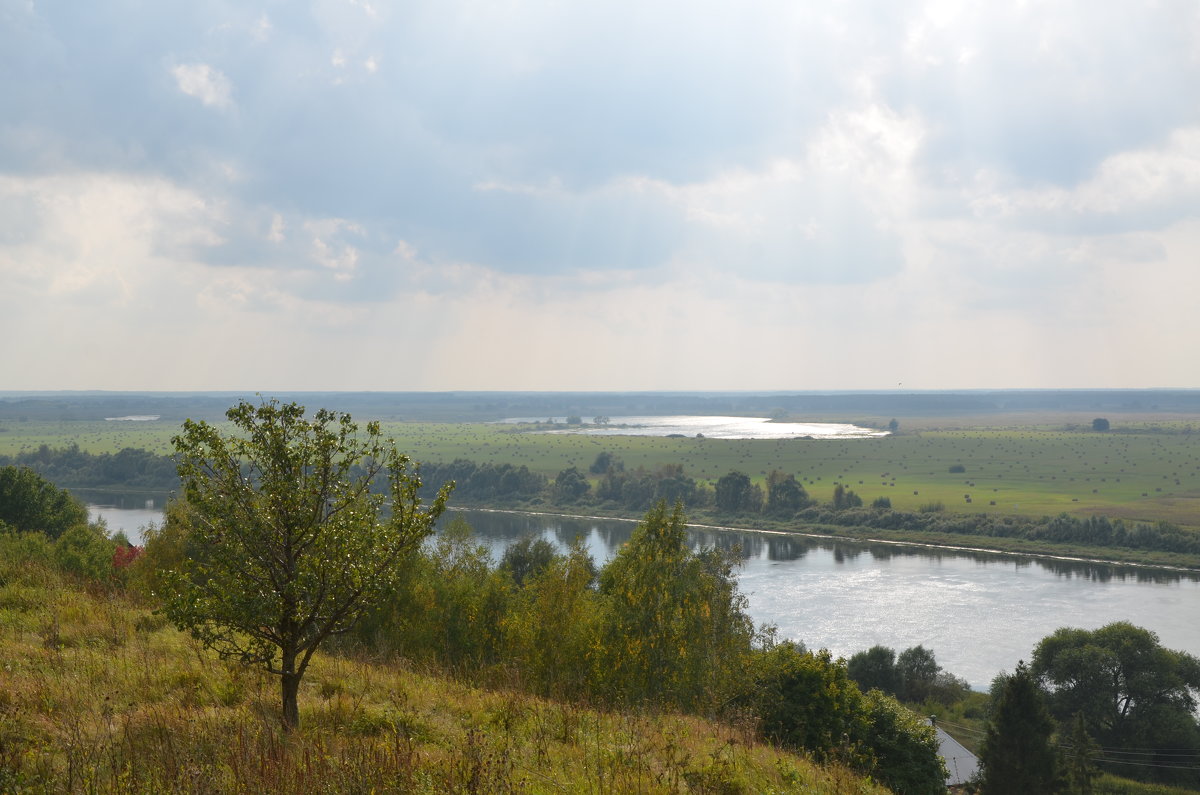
(97, 694)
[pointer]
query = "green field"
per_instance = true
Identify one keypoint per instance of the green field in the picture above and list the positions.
(1146, 468)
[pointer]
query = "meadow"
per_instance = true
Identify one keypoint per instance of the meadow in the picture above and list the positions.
(98, 694)
(1146, 468)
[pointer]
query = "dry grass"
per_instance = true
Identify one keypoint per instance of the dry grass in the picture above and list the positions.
(98, 695)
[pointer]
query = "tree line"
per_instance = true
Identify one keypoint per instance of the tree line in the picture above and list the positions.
(71, 467)
(734, 495)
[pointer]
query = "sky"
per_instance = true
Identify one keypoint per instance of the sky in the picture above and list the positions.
(641, 195)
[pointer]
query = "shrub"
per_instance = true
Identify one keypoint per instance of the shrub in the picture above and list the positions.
(86, 552)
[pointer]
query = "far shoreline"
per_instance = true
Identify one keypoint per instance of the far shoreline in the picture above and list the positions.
(1067, 557)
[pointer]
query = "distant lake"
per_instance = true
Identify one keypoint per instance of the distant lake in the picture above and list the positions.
(710, 427)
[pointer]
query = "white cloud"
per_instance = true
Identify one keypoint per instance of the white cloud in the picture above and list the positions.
(205, 83)
(329, 247)
(275, 235)
(262, 27)
(1146, 187)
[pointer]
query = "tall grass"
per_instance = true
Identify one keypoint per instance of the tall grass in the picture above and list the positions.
(98, 694)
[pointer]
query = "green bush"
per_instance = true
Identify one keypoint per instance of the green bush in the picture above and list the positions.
(85, 551)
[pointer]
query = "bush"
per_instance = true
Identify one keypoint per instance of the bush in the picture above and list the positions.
(30, 503)
(905, 748)
(85, 551)
(808, 702)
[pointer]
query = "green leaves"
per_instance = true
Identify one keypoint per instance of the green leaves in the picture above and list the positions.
(288, 540)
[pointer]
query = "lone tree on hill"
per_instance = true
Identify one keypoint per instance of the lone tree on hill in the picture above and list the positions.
(1100, 424)
(290, 544)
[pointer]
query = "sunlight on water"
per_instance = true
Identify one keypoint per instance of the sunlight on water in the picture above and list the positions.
(710, 427)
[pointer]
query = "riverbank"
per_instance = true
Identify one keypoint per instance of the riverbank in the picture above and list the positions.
(1012, 547)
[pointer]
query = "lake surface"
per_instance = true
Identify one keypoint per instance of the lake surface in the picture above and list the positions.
(710, 427)
(980, 613)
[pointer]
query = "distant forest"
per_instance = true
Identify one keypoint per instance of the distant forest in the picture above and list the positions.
(487, 406)
(735, 498)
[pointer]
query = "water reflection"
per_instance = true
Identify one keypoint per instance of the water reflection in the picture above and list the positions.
(980, 612)
(497, 529)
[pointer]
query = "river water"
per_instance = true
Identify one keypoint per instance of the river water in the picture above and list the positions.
(980, 613)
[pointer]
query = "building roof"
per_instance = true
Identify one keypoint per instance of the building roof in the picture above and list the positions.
(960, 762)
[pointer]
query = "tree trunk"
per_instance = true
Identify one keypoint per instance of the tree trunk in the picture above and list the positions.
(290, 686)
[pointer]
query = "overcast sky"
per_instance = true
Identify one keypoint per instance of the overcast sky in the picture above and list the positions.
(513, 194)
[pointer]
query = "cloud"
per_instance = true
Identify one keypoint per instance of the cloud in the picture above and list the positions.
(936, 193)
(1146, 188)
(205, 83)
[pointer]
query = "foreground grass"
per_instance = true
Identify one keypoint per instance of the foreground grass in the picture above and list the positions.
(97, 694)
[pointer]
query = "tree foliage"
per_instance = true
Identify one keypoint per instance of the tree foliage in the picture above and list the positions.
(785, 495)
(918, 672)
(674, 619)
(1130, 691)
(291, 545)
(808, 701)
(1018, 755)
(571, 484)
(30, 503)
(875, 668)
(736, 494)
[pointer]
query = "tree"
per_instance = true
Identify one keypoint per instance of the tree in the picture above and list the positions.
(875, 668)
(845, 498)
(893, 425)
(289, 544)
(808, 701)
(527, 558)
(918, 671)
(604, 462)
(1080, 750)
(1100, 424)
(1131, 692)
(1017, 755)
(30, 503)
(571, 484)
(785, 495)
(675, 628)
(733, 492)
(905, 748)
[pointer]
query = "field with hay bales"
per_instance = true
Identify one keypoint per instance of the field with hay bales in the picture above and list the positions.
(1145, 468)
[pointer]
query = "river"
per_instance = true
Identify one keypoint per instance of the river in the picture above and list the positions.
(980, 613)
